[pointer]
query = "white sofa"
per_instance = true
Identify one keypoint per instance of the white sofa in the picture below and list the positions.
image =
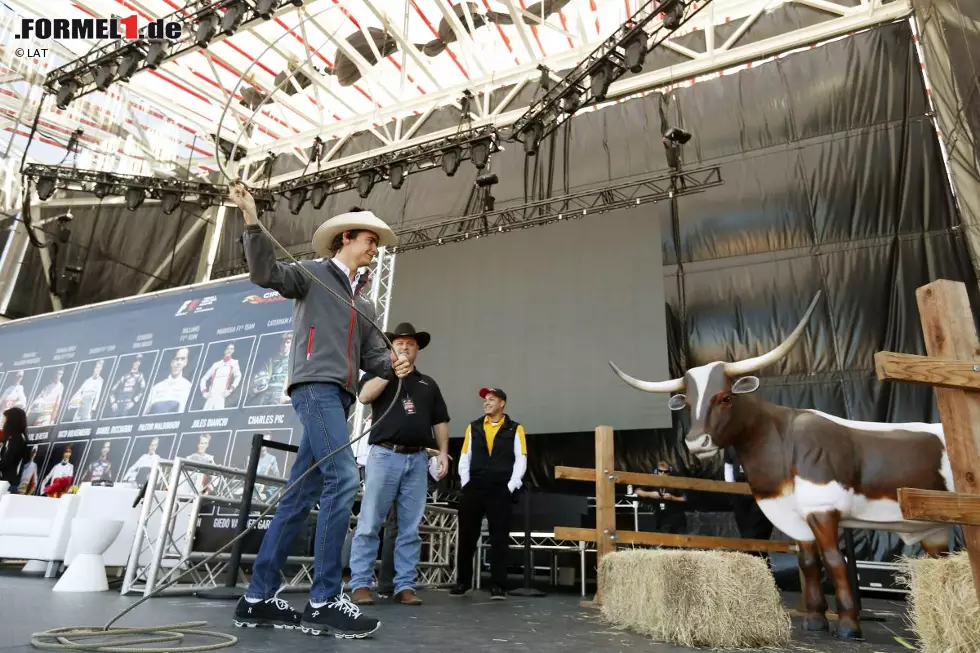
(36, 528)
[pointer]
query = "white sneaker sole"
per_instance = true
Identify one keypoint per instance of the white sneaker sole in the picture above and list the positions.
(322, 632)
(252, 624)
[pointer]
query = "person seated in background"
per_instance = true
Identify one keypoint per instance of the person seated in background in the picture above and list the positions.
(667, 504)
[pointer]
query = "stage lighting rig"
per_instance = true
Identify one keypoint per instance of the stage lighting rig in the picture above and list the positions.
(448, 153)
(134, 188)
(589, 82)
(202, 21)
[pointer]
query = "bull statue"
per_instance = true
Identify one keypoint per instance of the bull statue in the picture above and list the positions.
(812, 473)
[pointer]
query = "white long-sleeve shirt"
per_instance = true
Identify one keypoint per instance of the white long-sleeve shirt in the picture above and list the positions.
(490, 430)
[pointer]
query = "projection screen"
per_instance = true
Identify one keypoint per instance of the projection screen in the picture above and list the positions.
(540, 312)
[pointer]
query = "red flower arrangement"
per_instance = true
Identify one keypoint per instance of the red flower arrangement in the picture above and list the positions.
(58, 487)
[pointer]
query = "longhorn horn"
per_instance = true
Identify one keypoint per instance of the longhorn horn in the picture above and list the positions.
(673, 385)
(758, 362)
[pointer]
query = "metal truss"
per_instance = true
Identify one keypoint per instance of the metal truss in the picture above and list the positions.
(102, 184)
(163, 546)
(623, 51)
(539, 542)
(382, 283)
(628, 194)
(82, 71)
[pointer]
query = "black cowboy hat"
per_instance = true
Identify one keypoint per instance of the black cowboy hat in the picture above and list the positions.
(406, 330)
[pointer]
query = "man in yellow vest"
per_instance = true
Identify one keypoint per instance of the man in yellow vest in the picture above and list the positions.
(491, 468)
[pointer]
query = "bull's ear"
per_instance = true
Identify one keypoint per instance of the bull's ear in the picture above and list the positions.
(745, 385)
(677, 402)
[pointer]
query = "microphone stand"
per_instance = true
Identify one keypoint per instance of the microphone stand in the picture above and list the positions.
(527, 590)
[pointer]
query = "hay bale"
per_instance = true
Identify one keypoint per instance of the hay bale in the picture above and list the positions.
(719, 599)
(943, 607)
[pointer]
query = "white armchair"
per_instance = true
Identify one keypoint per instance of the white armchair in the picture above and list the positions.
(96, 502)
(36, 528)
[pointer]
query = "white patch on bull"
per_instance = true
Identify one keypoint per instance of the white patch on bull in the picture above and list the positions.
(789, 512)
(701, 375)
(945, 470)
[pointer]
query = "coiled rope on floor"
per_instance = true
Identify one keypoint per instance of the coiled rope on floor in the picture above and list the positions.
(81, 638)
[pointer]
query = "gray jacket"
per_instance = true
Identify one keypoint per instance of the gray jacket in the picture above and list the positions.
(331, 341)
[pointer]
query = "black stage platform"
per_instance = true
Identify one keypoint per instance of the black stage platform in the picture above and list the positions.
(556, 623)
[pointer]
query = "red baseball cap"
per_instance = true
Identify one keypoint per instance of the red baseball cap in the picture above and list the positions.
(496, 392)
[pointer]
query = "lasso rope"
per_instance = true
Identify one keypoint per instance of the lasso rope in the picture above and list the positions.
(71, 638)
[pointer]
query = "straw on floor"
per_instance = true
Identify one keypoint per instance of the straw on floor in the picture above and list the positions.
(719, 599)
(943, 607)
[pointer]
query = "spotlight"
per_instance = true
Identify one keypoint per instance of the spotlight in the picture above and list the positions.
(204, 201)
(104, 75)
(636, 52)
(266, 8)
(396, 174)
(156, 54)
(532, 137)
(601, 78)
(319, 195)
(101, 189)
(206, 30)
(232, 18)
(571, 101)
(480, 153)
(134, 197)
(673, 11)
(450, 160)
(170, 201)
(45, 187)
(297, 198)
(483, 181)
(66, 93)
(677, 135)
(365, 182)
(129, 64)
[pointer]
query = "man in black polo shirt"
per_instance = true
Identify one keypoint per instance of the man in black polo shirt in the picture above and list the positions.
(397, 468)
(492, 463)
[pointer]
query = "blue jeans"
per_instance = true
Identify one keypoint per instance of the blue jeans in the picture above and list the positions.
(322, 409)
(390, 477)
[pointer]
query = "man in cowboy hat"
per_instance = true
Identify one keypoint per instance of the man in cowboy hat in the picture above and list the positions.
(397, 468)
(331, 342)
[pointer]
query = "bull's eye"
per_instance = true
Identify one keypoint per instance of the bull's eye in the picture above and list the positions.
(727, 399)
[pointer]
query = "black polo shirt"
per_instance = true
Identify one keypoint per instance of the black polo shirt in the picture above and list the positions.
(419, 407)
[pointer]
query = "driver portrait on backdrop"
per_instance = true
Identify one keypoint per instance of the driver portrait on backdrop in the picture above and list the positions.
(268, 385)
(44, 408)
(13, 395)
(101, 469)
(171, 394)
(139, 471)
(221, 380)
(64, 469)
(86, 398)
(126, 393)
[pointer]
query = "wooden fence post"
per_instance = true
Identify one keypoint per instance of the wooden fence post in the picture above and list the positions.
(605, 499)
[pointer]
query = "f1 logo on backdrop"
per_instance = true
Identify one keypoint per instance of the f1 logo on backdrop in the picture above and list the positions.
(199, 305)
(97, 28)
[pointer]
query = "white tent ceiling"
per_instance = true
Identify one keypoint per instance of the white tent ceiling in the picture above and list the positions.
(438, 49)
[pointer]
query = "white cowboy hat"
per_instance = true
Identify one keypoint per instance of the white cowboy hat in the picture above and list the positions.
(326, 232)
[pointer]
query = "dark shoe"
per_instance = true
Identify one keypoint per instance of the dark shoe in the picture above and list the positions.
(408, 597)
(341, 617)
(497, 593)
(273, 612)
(459, 590)
(362, 596)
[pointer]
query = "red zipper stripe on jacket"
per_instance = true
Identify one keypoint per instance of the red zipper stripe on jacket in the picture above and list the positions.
(309, 343)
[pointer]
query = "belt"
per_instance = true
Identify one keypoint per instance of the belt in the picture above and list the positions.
(398, 448)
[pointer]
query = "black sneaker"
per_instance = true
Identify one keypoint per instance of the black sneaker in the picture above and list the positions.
(341, 616)
(497, 593)
(459, 590)
(273, 612)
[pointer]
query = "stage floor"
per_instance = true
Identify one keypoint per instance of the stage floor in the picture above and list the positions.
(474, 624)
